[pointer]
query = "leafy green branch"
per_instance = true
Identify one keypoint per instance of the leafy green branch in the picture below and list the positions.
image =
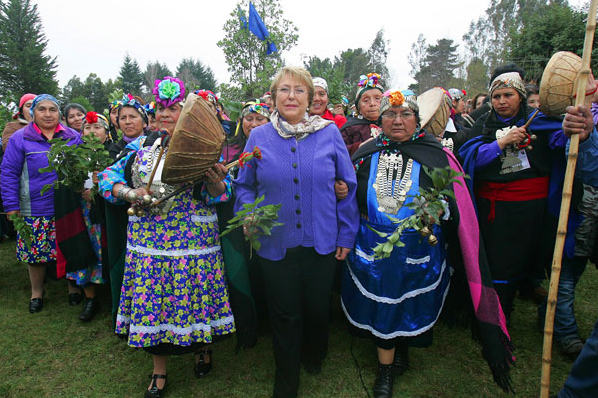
(22, 228)
(74, 163)
(258, 221)
(428, 207)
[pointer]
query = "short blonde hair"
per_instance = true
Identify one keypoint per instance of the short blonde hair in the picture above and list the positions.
(297, 73)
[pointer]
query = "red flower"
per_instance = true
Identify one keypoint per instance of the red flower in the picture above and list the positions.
(91, 117)
(257, 153)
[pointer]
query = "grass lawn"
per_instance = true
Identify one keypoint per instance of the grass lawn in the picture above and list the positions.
(53, 354)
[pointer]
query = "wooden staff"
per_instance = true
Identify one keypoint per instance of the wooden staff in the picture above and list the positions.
(565, 205)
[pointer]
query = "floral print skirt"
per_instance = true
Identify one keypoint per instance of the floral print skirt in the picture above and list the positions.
(174, 285)
(43, 241)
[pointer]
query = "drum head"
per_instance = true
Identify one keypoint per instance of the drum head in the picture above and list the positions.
(433, 111)
(559, 83)
(196, 143)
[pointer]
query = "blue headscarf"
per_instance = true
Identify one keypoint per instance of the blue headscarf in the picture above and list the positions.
(40, 98)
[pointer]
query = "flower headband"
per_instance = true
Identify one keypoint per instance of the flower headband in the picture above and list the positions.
(150, 108)
(129, 100)
(169, 91)
(252, 107)
(404, 98)
(94, 117)
(208, 96)
(367, 82)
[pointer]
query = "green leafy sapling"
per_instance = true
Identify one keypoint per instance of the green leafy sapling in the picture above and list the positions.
(428, 207)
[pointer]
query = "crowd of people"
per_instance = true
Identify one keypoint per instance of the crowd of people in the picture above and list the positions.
(342, 177)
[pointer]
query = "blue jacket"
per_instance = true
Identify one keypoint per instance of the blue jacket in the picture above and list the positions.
(20, 178)
(587, 160)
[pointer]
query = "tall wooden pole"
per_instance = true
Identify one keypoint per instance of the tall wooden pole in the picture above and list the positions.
(565, 205)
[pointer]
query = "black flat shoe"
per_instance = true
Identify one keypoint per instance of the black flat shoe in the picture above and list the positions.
(202, 367)
(401, 362)
(75, 298)
(384, 381)
(36, 305)
(89, 309)
(154, 391)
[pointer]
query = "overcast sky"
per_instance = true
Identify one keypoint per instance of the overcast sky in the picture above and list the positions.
(94, 35)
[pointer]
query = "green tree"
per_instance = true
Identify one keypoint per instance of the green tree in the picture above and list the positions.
(378, 55)
(24, 67)
(488, 36)
(354, 62)
(333, 74)
(250, 67)
(196, 75)
(154, 70)
(83, 101)
(93, 89)
(131, 76)
(477, 77)
(72, 89)
(417, 56)
(557, 28)
(438, 67)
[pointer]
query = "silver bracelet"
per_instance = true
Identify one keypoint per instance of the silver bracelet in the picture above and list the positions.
(122, 192)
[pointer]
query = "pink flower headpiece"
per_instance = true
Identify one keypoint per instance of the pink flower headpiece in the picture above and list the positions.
(169, 91)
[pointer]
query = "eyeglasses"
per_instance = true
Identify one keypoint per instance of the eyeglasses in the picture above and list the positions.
(393, 115)
(286, 91)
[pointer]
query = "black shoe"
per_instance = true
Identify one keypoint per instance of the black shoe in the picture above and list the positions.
(36, 305)
(571, 346)
(401, 362)
(89, 310)
(202, 367)
(384, 381)
(75, 298)
(154, 391)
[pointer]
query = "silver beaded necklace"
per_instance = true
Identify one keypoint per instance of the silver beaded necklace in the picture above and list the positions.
(390, 169)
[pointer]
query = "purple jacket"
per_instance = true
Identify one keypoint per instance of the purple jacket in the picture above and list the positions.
(300, 176)
(20, 178)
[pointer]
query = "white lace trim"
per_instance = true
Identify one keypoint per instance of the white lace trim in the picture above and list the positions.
(194, 218)
(364, 255)
(422, 260)
(174, 252)
(206, 219)
(387, 300)
(123, 319)
(398, 333)
(204, 327)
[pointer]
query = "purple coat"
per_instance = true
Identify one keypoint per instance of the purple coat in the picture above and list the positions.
(300, 176)
(20, 178)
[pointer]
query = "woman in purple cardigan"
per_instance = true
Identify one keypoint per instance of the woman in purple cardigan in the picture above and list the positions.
(302, 156)
(21, 185)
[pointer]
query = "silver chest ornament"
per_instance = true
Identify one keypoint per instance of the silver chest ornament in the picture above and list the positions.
(391, 190)
(158, 188)
(509, 158)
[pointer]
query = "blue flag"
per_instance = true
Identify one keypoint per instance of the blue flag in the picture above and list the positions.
(259, 29)
(242, 18)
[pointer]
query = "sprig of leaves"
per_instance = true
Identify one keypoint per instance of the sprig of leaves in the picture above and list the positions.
(23, 228)
(73, 163)
(258, 220)
(428, 206)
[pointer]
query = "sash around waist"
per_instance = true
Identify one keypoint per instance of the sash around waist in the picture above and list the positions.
(514, 191)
